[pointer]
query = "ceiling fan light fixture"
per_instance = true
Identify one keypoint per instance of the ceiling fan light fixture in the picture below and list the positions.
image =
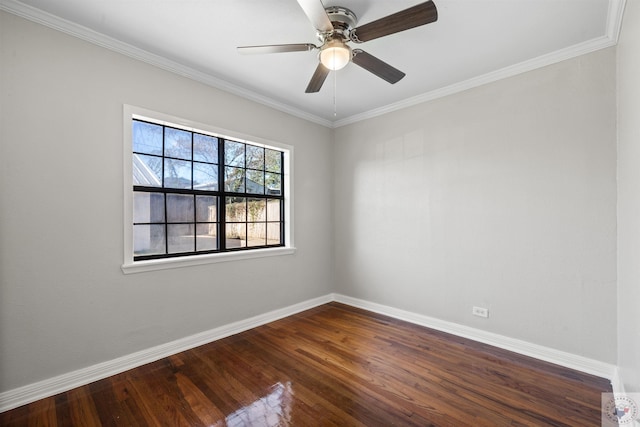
(335, 55)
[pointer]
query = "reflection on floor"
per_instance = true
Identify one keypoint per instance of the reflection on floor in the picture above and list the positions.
(274, 409)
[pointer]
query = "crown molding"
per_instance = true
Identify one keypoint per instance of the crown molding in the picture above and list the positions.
(613, 26)
(44, 18)
(614, 19)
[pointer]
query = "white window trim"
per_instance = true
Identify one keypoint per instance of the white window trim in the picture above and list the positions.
(129, 265)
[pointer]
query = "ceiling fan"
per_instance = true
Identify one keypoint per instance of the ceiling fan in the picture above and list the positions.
(336, 27)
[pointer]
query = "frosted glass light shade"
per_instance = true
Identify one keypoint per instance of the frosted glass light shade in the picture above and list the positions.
(335, 55)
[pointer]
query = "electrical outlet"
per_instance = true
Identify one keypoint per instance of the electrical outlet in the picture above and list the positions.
(480, 312)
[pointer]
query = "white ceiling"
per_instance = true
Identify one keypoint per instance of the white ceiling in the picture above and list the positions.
(473, 42)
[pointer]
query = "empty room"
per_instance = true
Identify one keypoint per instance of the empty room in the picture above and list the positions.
(332, 213)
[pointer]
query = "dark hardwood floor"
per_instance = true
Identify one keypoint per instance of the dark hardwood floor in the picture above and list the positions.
(333, 365)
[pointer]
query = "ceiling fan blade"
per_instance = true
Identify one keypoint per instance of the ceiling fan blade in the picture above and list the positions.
(376, 66)
(318, 78)
(276, 48)
(415, 16)
(317, 15)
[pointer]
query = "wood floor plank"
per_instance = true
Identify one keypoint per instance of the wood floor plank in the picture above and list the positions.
(62, 409)
(43, 413)
(83, 410)
(333, 365)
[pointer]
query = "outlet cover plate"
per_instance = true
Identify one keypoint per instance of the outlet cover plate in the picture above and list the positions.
(480, 312)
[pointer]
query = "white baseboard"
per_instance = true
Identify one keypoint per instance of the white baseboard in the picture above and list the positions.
(547, 354)
(52, 386)
(49, 387)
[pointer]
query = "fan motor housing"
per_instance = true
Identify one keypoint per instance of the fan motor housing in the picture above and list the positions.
(343, 20)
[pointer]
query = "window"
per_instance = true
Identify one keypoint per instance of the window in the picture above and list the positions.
(197, 193)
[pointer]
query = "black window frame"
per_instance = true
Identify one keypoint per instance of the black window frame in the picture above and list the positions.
(222, 195)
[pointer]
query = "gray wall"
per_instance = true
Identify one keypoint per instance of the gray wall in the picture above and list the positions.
(503, 196)
(629, 198)
(64, 302)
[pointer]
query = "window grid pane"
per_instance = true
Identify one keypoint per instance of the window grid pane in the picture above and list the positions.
(149, 239)
(177, 143)
(180, 238)
(206, 237)
(177, 173)
(255, 157)
(234, 179)
(205, 148)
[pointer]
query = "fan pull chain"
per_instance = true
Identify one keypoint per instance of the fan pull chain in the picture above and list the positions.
(335, 84)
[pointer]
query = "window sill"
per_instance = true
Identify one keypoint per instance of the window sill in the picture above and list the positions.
(167, 263)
